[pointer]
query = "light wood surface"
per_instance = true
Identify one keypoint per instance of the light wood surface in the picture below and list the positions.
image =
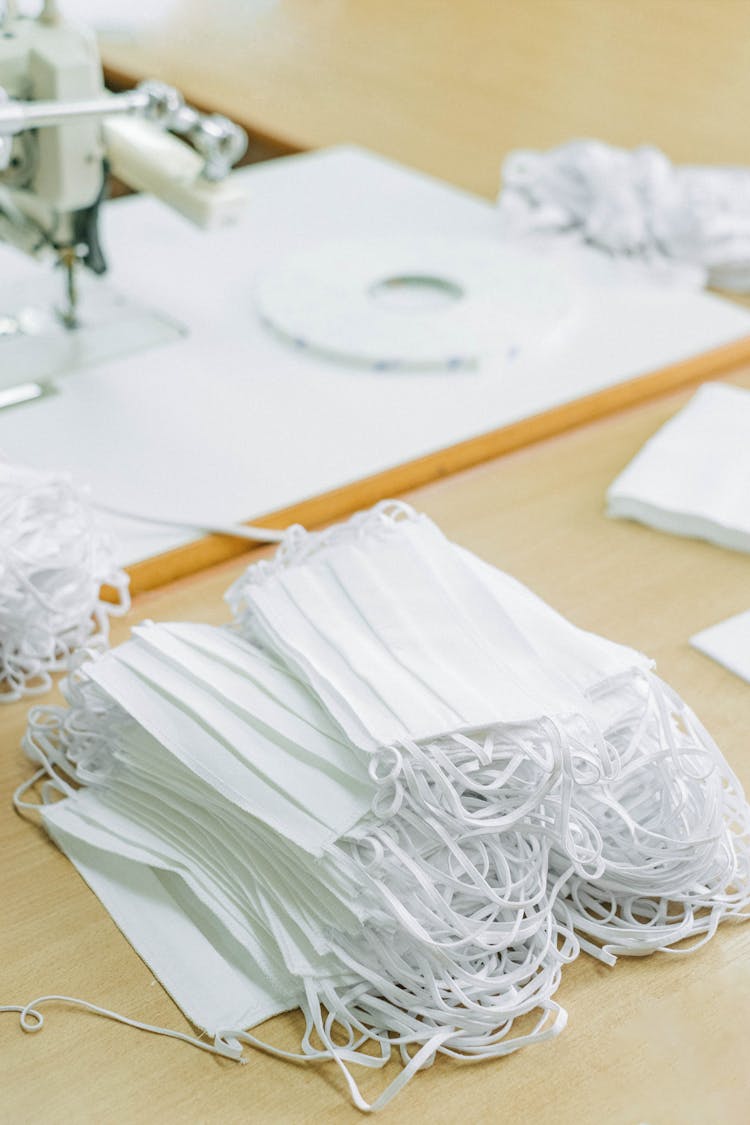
(450, 87)
(660, 1040)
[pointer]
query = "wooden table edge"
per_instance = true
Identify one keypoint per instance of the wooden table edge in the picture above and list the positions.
(159, 570)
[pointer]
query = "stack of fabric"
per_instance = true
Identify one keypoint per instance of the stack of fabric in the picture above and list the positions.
(400, 793)
(693, 476)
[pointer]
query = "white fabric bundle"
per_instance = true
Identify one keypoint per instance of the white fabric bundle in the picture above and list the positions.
(635, 204)
(403, 799)
(623, 750)
(53, 562)
(693, 476)
(728, 643)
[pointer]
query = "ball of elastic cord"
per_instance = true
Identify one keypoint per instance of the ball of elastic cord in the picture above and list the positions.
(53, 563)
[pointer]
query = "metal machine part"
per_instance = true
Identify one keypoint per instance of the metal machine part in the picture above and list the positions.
(57, 127)
(215, 137)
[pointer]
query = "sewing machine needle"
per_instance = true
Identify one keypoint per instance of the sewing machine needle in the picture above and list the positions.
(69, 259)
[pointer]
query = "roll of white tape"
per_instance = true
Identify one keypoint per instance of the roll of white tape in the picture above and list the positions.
(415, 304)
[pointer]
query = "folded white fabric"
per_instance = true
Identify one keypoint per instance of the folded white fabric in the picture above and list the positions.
(401, 794)
(693, 476)
(728, 643)
(53, 563)
(634, 203)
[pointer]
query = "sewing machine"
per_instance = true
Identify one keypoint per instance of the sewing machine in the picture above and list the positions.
(61, 135)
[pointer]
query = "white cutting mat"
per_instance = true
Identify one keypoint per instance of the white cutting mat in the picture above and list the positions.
(231, 422)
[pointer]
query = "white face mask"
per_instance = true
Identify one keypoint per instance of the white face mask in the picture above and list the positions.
(234, 892)
(418, 803)
(154, 799)
(339, 939)
(217, 981)
(405, 612)
(403, 635)
(254, 753)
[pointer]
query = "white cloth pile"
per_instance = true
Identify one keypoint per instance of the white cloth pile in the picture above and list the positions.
(401, 793)
(53, 563)
(728, 643)
(635, 204)
(693, 476)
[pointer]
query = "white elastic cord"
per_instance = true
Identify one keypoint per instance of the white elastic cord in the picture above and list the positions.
(53, 781)
(32, 1020)
(236, 530)
(54, 561)
(341, 1055)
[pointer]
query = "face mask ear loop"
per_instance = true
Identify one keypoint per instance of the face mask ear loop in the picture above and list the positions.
(423, 1057)
(311, 1054)
(32, 1020)
(54, 782)
(30, 806)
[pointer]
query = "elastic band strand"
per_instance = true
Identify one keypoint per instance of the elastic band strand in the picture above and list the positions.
(31, 1011)
(236, 530)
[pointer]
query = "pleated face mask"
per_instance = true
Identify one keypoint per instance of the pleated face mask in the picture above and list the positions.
(228, 728)
(405, 787)
(174, 827)
(401, 633)
(404, 635)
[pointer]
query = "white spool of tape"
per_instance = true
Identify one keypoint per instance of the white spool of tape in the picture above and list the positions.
(415, 304)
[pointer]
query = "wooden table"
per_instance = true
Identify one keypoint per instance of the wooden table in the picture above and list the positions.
(450, 87)
(659, 1040)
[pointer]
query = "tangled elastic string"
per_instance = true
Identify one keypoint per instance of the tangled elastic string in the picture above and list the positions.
(342, 1015)
(489, 858)
(53, 563)
(456, 854)
(228, 1043)
(79, 739)
(478, 951)
(674, 826)
(652, 847)
(634, 203)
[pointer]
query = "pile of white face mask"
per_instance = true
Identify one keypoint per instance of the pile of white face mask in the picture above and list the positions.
(401, 794)
(53, 562)
(635, 204)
